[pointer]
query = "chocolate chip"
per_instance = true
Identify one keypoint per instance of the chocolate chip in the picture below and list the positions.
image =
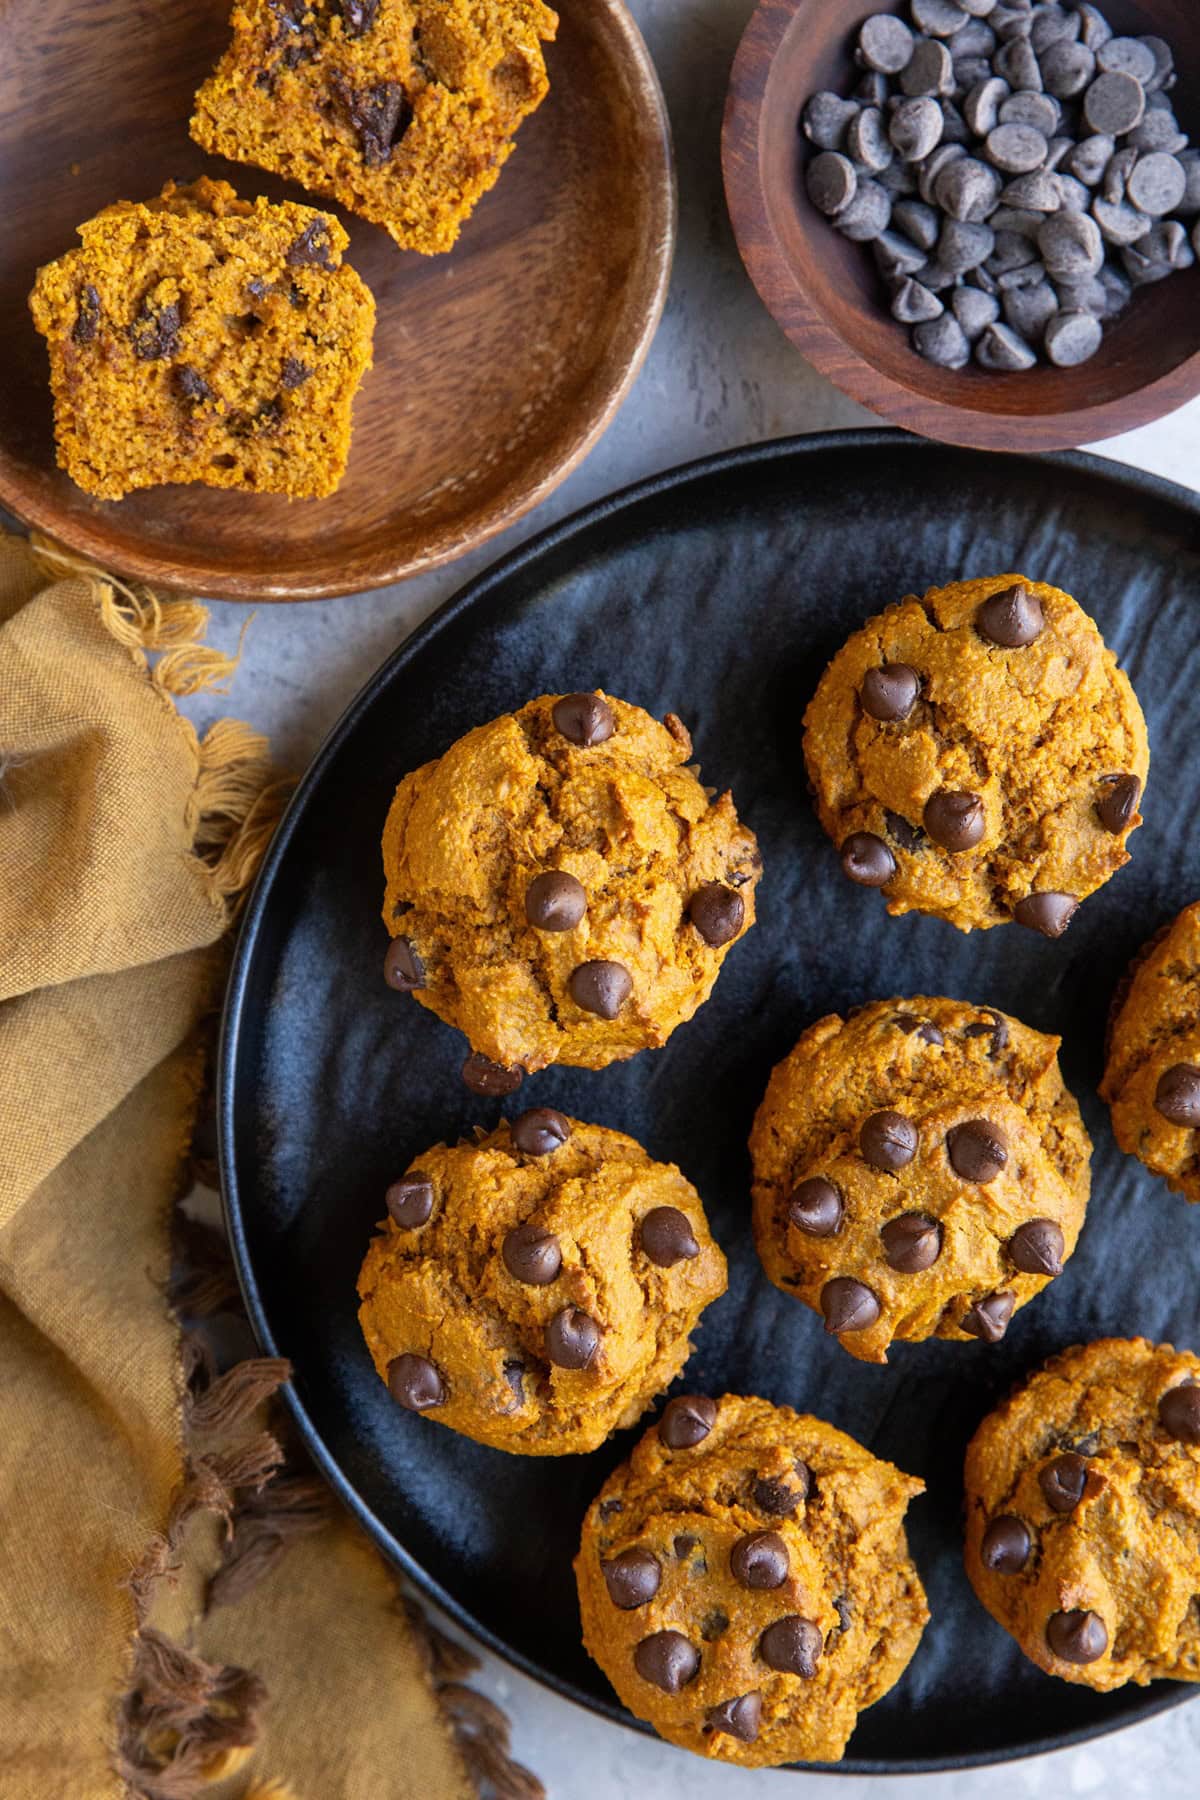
(584, 719)
(601, 987)
(815, 1208)
(845, 1613)
(925, 1029)
(791, 1645)
(1077, 1637)
(572, 1339)
(1072, 338)
(1013, 619)
(885, 43)
(956, 821)
(313, 249)
(87, 317)
(714, 1625)
(402, 967)
(359, 16)
(827, 119)
(609, 1507)
(889, 694)
(915, 128)
(154, 334)
(773, 1494)
(294, 374)
(1005, 1546)
(867, 859)
(889, 1141)
(668, 1660)
(540, 1131)
(1036, 1248)
(997, 1029)
(191, 384)
(555, 901)
(415, 1382)
(514, 1374)
(717, 912)
(1179, 1412)
(978, 1150)
(831, 182)
(379, 117)
(988, 1318)
(1119, 796)
(911, 1242)
(667, 1237)
(760, 1560)
(1063, 1481)
(490, 1079)
(687, 1421)
(684, 1544)
(736, 1718)
(533, 1255)
(410, 1202)
(909, 837)
(1177, 1096)
(632, 1579)
(1114, 104)
(848, 1305)
(1048, 913)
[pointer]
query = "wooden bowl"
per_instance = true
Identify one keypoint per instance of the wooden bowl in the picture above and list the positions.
(497, 366)
(826, 294)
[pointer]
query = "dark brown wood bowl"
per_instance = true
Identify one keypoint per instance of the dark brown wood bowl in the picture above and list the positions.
(497, 366)
(826, 295)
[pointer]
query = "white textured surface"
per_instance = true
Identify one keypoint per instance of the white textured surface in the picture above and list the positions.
(719, 374)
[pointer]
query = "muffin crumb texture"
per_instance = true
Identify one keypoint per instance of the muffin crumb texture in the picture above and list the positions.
(535, 1289)
(561, 887)
(403, 110)
(199, 337)
(977, 754)
(1152, 1081)
(920, 1170)
(745, 1583)
(1083, 1514)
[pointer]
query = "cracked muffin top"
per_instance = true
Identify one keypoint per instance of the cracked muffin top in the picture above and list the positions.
(561, 887)
(1152, 1081)
(919, 1171)
(1083, 1514)
(745, 1583)
(536, 1289)
(977, 754)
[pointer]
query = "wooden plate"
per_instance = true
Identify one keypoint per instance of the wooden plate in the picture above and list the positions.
(825, 294)
(497, 367)
(718, 591)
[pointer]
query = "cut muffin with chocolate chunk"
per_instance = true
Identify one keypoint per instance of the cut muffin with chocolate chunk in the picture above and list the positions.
(404, 110)
(199, 337)
(920, 1171)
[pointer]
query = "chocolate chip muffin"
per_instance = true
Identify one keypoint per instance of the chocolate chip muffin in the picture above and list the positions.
(1083, 1514)
(535, 1289)
(978, 755)
(745, 1583)
(562, 888)
(1152, 1081)
(919, 1171)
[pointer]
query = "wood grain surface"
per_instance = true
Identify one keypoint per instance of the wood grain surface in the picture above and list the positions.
(496, 367)
(824, 291)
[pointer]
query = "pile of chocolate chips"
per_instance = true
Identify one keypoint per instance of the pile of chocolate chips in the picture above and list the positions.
(1017, 169)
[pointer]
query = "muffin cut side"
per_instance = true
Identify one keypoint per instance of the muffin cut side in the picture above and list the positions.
(199, 337)
(404, 110)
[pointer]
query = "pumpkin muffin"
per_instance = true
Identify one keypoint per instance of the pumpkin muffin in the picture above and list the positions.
(919, 1171)
(1083, 1514)
(1152, 1081)
(561, 887)
(535, 1289)
(745, 1583)
(404, 110)
(977, 754)
(199, 337)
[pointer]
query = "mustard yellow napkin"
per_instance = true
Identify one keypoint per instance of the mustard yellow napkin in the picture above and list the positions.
(155, 1640)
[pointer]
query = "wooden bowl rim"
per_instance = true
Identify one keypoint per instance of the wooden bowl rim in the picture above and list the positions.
(332, 576)
(771, 272)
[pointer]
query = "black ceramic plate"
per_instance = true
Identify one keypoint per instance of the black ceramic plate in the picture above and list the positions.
(719, 592)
